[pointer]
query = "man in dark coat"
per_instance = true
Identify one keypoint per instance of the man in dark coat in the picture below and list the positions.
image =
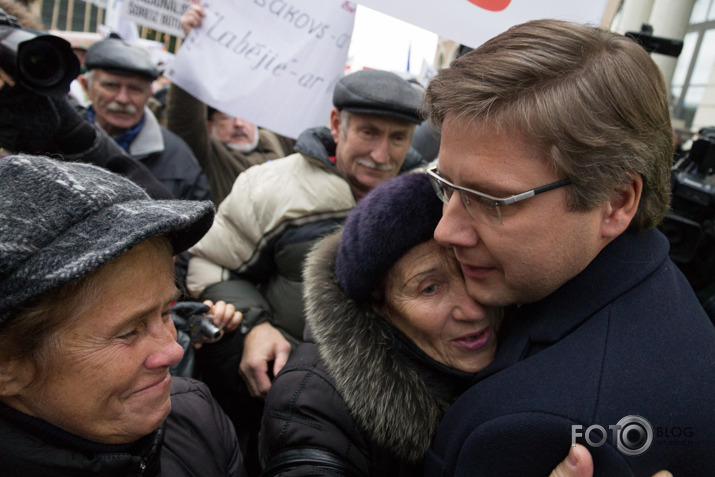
(556, 138)
(118, 83)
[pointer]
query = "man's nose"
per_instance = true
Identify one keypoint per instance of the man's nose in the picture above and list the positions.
(122, 95)
(380, 152)
(456, 227)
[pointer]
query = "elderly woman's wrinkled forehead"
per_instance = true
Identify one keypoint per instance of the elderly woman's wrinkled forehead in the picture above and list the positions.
(421, 260)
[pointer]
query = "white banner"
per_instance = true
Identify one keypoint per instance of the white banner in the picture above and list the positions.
(472, 22)
(162, 15)
(272, 62)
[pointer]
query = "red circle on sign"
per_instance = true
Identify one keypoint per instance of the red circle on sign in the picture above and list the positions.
(492, 5)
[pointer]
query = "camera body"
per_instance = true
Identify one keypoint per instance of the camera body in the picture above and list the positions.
(690, 225)
(42, 63)
(191, 318)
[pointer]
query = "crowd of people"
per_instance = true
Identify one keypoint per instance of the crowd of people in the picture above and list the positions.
(372, 321)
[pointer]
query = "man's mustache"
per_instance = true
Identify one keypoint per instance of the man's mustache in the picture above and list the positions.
(115, 107)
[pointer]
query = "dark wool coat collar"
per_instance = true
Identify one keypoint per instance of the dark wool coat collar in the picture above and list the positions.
(396, 396)
(621, 266)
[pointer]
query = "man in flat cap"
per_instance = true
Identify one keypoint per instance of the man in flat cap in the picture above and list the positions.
(253, 254)
(118, 84)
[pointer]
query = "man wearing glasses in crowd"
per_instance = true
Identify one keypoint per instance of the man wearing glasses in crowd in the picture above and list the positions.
(604, 343)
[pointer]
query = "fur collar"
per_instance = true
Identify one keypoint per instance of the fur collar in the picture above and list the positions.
(386, 394)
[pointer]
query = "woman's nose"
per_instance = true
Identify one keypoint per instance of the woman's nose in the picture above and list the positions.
(167, 351)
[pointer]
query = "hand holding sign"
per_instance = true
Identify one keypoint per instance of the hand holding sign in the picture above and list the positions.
(272, 62)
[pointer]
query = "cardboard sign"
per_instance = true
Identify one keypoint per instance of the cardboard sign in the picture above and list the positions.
(272, 62)
(162, 15)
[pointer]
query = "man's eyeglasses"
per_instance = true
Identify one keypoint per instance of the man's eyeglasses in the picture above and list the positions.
(476, 202)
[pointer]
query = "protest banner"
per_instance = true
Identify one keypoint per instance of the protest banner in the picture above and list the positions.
(272, 62)
(162, 15)
(472, 22)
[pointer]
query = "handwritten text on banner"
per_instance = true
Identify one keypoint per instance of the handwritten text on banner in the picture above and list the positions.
(272, 62)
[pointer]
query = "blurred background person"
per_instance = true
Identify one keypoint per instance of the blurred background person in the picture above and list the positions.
(46, 123)
(224, 145)
(118, 83)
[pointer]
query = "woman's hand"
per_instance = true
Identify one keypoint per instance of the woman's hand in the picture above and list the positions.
(224, 316)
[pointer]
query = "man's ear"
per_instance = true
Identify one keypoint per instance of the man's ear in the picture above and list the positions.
(83, 82)
(335, 124)
(620, 210)
(15, 375)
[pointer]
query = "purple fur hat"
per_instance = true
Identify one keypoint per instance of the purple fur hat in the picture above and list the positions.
(386, 224)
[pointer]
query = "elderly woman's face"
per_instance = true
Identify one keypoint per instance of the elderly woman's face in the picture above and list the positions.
(112, 383)
(429, 303)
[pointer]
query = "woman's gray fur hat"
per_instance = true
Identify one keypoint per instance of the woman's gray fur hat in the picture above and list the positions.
(59, 221)
(385, 225)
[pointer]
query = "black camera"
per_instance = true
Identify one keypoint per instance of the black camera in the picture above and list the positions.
(656, 44)
(191, 318)
(690, 225)
(42, 63)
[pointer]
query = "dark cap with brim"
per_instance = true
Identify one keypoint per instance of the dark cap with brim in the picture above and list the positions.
(119, 57)
(378, 92)
(61, 221)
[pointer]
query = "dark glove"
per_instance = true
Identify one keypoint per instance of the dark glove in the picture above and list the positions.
(74, 133)
(37, 124)
(27, 120)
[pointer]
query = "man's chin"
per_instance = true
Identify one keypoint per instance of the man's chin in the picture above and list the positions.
(242, 146)
(121, 122)
(372, 178)
(487, 295)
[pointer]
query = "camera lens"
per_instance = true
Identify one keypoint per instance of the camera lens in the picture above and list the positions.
(209, 330)
(41, 63)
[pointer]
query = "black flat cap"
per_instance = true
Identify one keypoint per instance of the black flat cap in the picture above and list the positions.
(117, 56)
(378, 92)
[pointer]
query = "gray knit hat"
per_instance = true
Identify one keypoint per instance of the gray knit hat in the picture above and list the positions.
(378, 92)
(60, 221)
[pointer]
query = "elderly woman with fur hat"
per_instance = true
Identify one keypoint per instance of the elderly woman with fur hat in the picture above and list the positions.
(86, 340)
(392, 339)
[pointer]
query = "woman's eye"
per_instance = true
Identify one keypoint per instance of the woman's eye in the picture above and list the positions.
(129, 335)
(429, 290)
